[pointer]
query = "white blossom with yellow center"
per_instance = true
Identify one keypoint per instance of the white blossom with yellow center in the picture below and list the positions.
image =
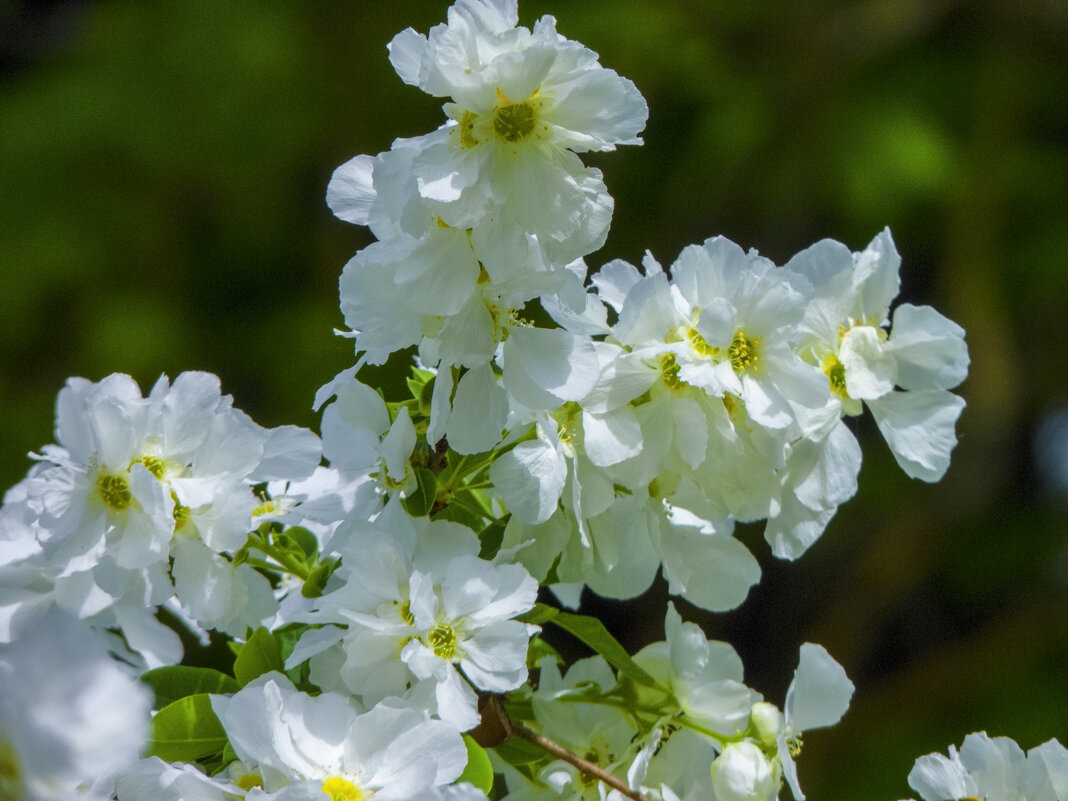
(289, 743)
(904, 375)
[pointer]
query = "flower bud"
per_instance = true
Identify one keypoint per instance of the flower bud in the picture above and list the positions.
(765, 721)
(742, 773)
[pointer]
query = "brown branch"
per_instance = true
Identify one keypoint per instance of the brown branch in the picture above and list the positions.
(599, 773)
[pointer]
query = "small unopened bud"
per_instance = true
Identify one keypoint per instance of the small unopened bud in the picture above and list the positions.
(742, 773)
(765, 721)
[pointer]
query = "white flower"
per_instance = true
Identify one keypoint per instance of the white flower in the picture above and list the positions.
(994, 769)
(138, 481)
(153, 779)
(294, 743)
(488, 212)
(69, 716)
(521, 101)
(743, 773)
(365, 447)
(818, 696)
(904, 375)
(704, 676)
(420, 607)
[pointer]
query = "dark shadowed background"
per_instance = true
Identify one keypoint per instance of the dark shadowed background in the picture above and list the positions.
(162, 173)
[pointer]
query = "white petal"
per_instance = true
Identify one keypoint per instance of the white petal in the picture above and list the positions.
(919, 427)
(440, 409)
(1053, 759)
(876, 276)
(479, 412)
(691, 431)
(350, 193)
(937, 778)
(496, 656)
(870, 369)
(819, 694)
(544, 367)
(529, 479)
(406, 53)
(611, 437)
(290, 453)
(712, 571)
(929, 348)
(398, 444)
(614, 280)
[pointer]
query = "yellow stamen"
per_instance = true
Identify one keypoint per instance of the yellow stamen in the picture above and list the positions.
(114, 490)
(742, 352)
(698, 343)
(442, 640)
(248, 781)
(342, 789)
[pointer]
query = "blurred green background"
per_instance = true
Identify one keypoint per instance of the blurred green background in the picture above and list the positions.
(162, 173)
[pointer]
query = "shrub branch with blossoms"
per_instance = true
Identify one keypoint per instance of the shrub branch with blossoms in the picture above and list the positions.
(379, 586)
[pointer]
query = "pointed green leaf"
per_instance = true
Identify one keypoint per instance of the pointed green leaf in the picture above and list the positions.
(479, 771)
(178, 681)
(186, 730)
(592, 632)
(490, 538)
(541, 613)
(420, 501)
(260, 655)
(517, 751)
(307, 541)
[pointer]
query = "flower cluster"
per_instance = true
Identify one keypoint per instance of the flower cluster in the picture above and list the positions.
(993, 768)
(382, 608)
(144, 498)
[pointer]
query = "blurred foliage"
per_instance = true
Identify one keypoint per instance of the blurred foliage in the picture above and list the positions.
(162, 172)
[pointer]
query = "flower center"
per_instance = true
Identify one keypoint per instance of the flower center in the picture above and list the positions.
(268, 507)
(180, 513)
(153, 464)
(698, 343)
(114, 490)
(669, 371)
(249, 780)
(742, 352)
(513, 122)
(342, 789)
(835, 372)
(442, 640)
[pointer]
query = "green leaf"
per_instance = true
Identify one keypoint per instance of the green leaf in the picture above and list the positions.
(458, 514)
(178, 681)
(186, 730)
(305, 540)
(541, 613)
(479, 771)
(316, 581)
(425, 396)
(551, 577)
(490, 538)
(592, 632)
(420, 501)
(538, 650)
(516, 751)
(417, 381)
(260, 655)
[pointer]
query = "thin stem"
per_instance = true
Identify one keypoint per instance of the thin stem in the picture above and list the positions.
(558, 751)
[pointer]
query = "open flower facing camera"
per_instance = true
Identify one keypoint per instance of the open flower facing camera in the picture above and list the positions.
(391, 591)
